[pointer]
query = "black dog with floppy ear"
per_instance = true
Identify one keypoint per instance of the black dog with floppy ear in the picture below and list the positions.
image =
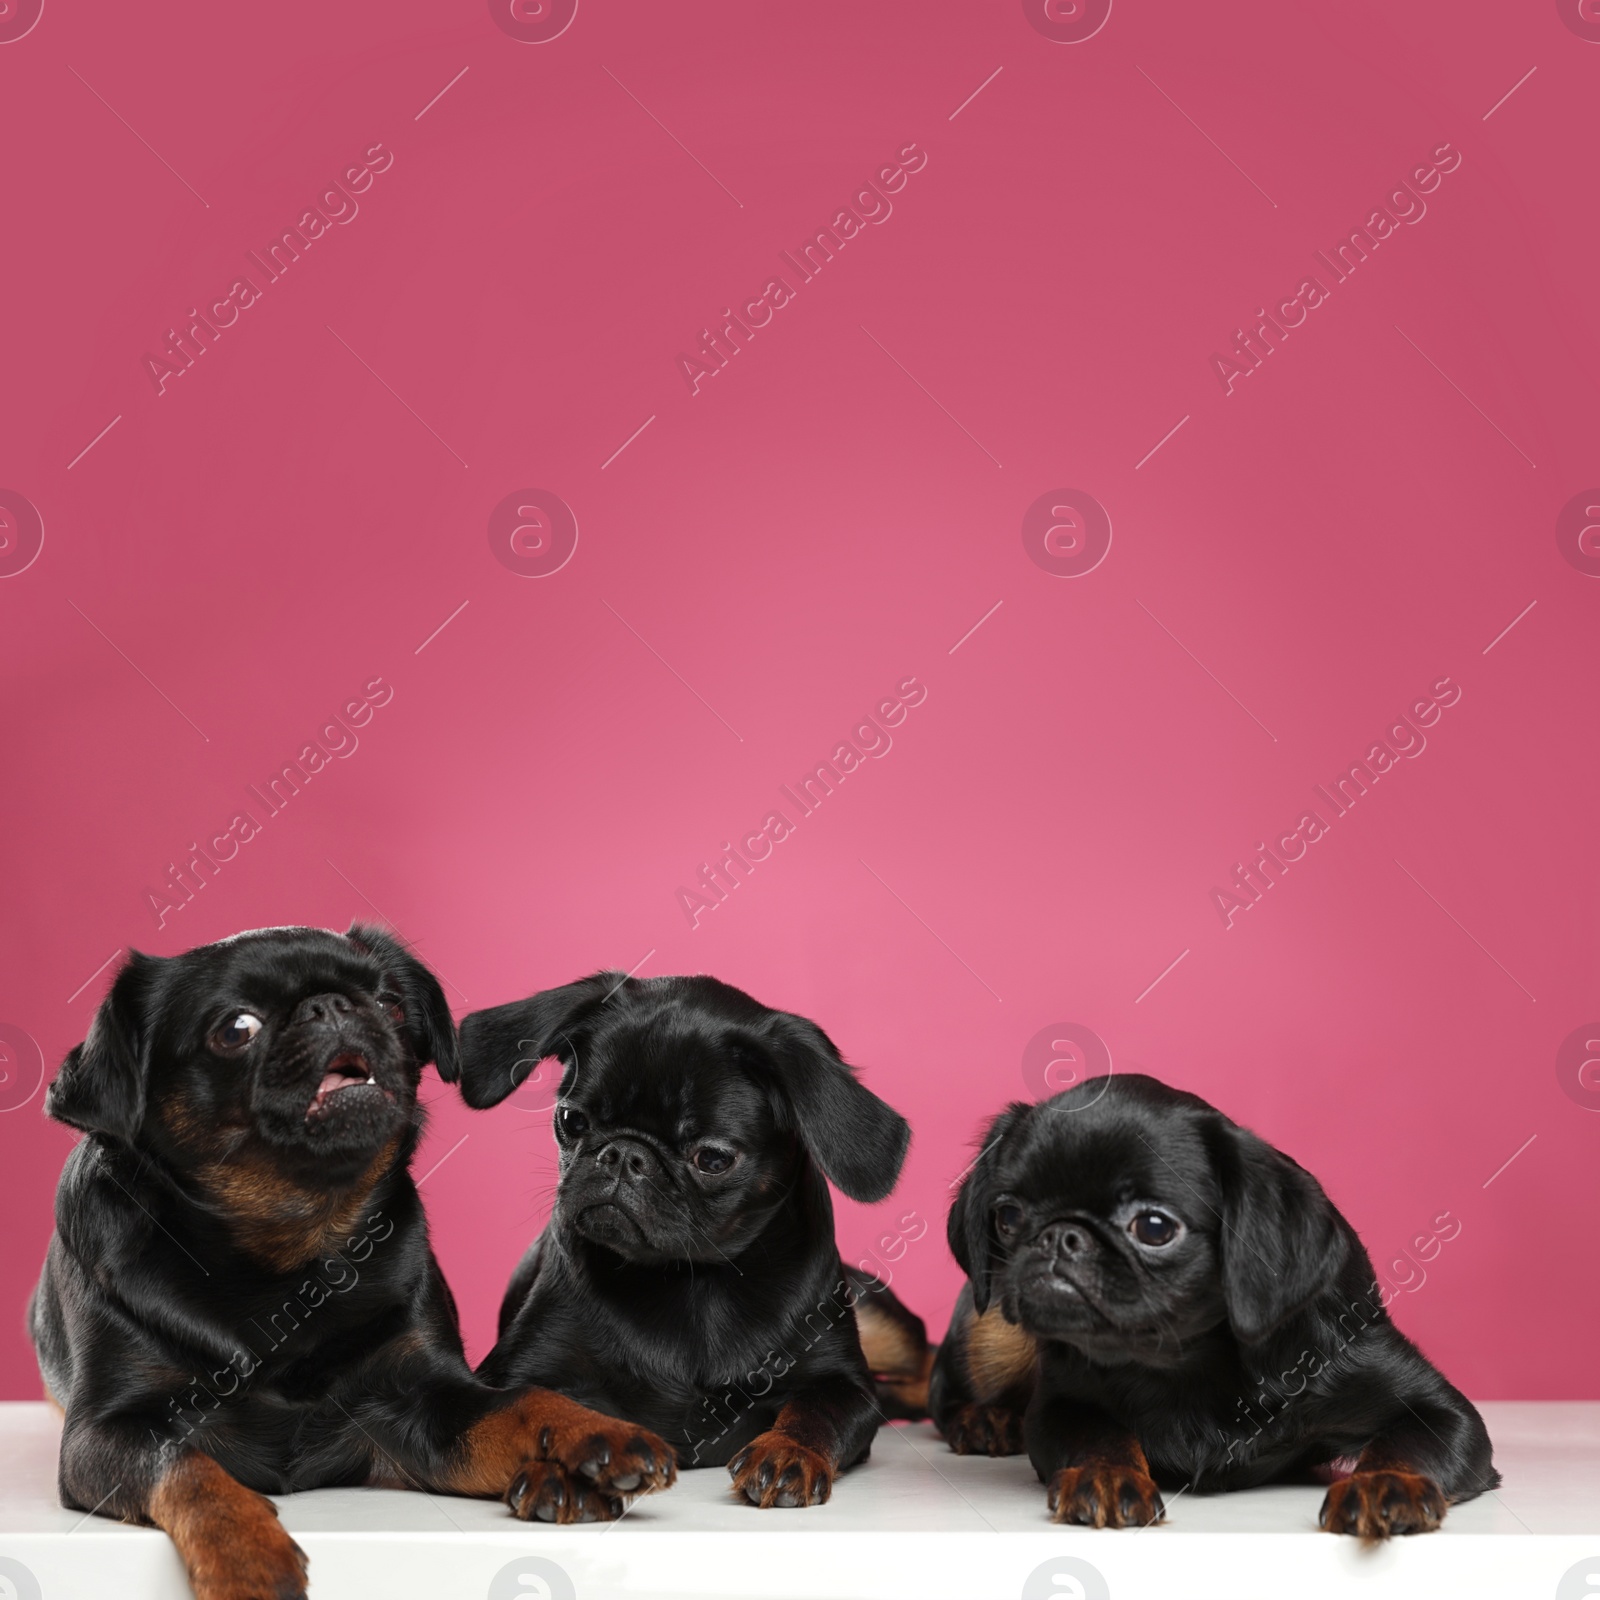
(1156, 1295)
(239, 1298)
(103, 1083)
(1281, 1240)
(689, 1275)
(856, 1139)
(970, 1228)
(501, 1047)
(427, 1013)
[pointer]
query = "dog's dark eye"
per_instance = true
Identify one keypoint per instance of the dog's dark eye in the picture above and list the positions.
(573, 1122)
(1153, 1228)
(709, 1158)
(393, 1004)
(1008, 1218)
(232, 1037)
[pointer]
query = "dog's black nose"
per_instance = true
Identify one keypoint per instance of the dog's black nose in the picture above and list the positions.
(1066, 1239)
(624, 1158)
(323, 1008)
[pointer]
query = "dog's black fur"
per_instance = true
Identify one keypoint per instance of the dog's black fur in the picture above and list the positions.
(1253, 1346)
(710, 1304)
(240, 1299)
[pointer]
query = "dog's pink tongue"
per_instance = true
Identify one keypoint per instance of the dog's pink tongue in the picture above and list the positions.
(332, 1081)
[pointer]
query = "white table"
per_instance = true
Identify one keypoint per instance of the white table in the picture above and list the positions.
(916, 1521)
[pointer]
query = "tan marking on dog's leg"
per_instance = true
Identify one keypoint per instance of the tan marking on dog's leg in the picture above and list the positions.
(229, 1538)
(999, 1354)
(557, 1460)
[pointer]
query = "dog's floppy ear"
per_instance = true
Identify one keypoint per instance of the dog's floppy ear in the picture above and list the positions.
(102, 1084)
(970, 1228)
(501, 1046)
(857, 1140)
(433, 1033)
(1282, 1241)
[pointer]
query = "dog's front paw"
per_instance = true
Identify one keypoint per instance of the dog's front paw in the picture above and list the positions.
(1104, 1496)
(544, 1491)
(773, 1470)
(252, 1560)
(262, 1569)
(600, 1459)
(977, 1430)
(1379, 1505)
(613, 1456)
(229, 1537)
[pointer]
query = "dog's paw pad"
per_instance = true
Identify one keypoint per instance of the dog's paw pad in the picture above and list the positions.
(1104, 1496)
(774, 1471)
(1382, 1505)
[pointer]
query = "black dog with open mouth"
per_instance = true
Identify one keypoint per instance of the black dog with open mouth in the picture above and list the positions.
(689, 1276)
(239, 1298)
(1157, 1294)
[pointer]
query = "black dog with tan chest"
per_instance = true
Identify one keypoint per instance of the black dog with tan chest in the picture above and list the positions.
(689, 1275)
(239, 1298)
(1156, 1295)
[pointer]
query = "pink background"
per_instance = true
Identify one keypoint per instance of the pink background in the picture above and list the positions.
(835, 511)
